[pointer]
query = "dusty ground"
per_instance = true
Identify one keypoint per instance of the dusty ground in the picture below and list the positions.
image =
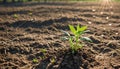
(28, 28)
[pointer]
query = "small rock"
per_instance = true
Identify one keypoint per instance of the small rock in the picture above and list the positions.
(107, 17)
(55, 66)
(89, 22)
(110, 24)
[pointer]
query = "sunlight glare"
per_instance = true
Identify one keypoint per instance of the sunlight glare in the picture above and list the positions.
(105, 4)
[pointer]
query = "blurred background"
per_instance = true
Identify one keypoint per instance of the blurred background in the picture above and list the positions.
(14, 1)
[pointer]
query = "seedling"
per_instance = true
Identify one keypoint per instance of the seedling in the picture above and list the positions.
(15, 16)
(43, 50)
(52, 60)
(76, 40)
(42, 57)
(35, 60)
(30, 13)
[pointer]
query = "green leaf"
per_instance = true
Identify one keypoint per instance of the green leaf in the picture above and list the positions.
(80, 32)
(72, 29)
(64, 38)
(71, 42)
(80, 45)
(35, 60)
(43, 50)
(87, 31)
(83, 28)
(86, 39)
(78, 27)
(15, 16)
(66, 33)
(52, 60)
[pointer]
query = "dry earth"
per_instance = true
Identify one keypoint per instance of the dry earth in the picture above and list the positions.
(25, 29)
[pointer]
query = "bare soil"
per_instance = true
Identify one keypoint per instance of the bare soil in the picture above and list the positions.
(27, 28)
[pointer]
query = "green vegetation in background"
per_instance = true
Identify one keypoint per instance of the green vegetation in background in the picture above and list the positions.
(43, 0)
(117, 0)
(48, 0)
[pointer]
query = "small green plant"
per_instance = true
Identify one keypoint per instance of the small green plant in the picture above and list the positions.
(35, 60)
(43, 50)
(15, 16)
(42, 57)
(76, 39)
(30, 13)
(52, 60)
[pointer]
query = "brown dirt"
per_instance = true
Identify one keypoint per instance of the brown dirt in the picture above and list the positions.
(38, 26)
